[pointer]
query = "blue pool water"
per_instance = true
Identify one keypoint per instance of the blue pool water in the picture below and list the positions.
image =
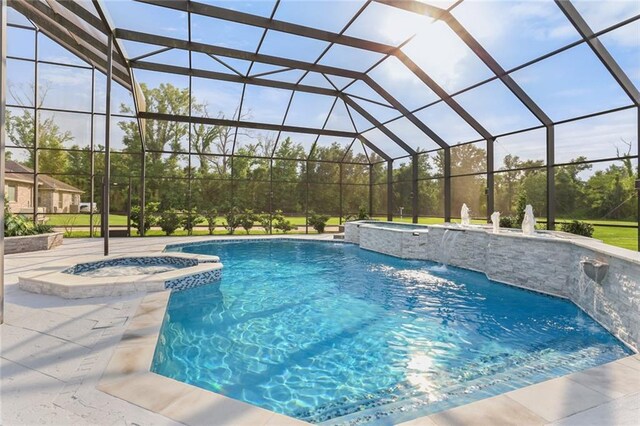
(328, 332)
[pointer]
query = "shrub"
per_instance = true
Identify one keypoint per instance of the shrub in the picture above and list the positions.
(577, 227)
(150, 216)
(521, 204)
(16, 225)
(280, 223)
(507, 222)
(68, 222)
(169, 221)
(232, 216)
(211, 216)
(191, 220)
(265, 220)
(246, 220)
(318, 221)
(362, 215)
(42, 228)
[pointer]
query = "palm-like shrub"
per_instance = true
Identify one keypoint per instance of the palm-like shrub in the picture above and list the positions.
(169, 221)
(318, 221)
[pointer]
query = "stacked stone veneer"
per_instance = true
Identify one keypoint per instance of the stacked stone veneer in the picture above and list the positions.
(32, 243)
(544, 264)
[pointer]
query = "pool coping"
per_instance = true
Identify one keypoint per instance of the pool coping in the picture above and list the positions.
(128, 376)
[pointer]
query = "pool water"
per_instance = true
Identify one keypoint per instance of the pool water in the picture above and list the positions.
(128, 270)
(328, 332)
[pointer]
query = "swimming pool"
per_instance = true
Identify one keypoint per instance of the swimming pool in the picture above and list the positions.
(328, 332)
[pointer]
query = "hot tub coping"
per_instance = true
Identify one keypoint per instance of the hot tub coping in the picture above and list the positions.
(71, 286)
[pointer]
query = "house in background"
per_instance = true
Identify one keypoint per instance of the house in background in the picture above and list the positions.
(54, 196)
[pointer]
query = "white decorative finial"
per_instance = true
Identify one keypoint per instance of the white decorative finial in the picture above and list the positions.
(529, 222)
(495, 220)
(464, 215)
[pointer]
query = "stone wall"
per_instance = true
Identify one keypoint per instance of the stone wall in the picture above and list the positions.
(32, 243)
(548, 263)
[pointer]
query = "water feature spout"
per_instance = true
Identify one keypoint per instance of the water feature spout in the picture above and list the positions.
(447, 244)
(495, 220)
(595, 269)
(464, 215)
(529, 222)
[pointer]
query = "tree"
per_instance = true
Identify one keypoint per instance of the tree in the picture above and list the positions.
(51, 140)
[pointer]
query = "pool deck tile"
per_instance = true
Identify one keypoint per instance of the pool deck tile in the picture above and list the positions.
(420, 421)
(624, 411)
(614, 379)
(499, 410)
(557, 398)
(631, 361)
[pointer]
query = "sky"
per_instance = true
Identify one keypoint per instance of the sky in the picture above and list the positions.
(570, 84)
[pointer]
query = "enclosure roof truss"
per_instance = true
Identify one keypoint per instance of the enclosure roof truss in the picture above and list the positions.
(85, 27)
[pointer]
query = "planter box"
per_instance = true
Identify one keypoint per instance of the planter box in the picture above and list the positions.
(32, 242)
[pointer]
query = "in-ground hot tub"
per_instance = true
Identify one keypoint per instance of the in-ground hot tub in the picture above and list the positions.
(123, 275)
(125, 266)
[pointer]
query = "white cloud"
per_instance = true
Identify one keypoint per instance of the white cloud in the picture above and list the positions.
(603, 14)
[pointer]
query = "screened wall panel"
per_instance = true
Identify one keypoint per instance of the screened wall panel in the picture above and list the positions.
(354, 198)
(512, 184)
(469, 190)
(602, 191)
(527, 149)
(605, 136)
(431, 198)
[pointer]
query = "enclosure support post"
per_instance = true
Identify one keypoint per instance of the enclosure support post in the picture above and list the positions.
(36, 134)
(551, 179)
(3, 104)
(92, 161)
(490, 179)
(129, 209)
(306, 200)
(414, 188)
(341, 195)
(143, 193)
(370, 190)
(271, 196)
(638, 175)
(447, 184)
(389, 190)
(107, 149)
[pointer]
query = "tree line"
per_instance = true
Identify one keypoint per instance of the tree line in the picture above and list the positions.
(294, 181)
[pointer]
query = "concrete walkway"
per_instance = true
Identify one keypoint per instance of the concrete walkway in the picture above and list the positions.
(54, 351)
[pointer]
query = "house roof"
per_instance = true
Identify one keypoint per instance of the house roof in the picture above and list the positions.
(17, 172)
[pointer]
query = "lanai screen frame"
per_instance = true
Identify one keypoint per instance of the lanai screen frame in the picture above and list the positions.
(113, 35)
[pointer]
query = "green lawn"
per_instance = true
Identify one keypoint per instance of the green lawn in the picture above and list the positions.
(620, 237)
(82, 219)
(181, 233)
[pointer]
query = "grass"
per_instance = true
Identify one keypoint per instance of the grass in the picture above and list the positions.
(620, 237)
(82, 219)
(181, 233)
